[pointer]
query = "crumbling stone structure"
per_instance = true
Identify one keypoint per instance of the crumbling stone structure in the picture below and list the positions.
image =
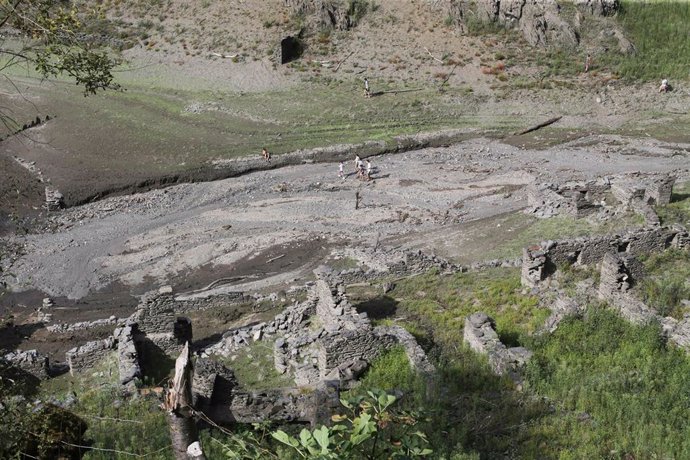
(562, 308)
(619, 268)
(158, 323)
(629, 192)
(323, 338)
(54, 199)
(152, 332)
(480, 334)
(220, 397)
(129, 364)
(87, 355)
(323, 342)
(616, 280)
(30, 361)
(540, 261)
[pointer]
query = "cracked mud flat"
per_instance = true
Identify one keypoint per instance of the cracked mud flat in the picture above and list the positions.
(271, 228)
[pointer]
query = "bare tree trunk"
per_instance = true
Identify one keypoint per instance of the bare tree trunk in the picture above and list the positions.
(178, 405)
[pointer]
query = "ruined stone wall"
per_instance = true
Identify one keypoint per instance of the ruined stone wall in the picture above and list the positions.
(480, 334)
(630, 191)
(314, 405)
(128, 354)
(415, 354)
(336, 349)
(89, 354)
(333, 309)
(158, 323)
(155, 313)
(562, 308)
(29, 361)
(616, 280)
(539, 261)
(213, 383)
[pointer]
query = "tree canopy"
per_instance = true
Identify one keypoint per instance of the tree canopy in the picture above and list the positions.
(51, 36)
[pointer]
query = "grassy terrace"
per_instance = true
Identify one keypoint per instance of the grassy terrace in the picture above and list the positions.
(598, 387)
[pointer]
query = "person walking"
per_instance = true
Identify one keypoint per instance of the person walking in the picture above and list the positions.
(266, 155)
(369, 169)
(341, 173)
(367, 91)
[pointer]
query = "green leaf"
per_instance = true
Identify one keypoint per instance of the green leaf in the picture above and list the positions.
(285, 438)
(306, 438)
(322, 436)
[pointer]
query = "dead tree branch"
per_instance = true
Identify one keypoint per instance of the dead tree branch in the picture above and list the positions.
(178, 405)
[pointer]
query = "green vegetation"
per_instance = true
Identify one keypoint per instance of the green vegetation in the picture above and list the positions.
(253, 366)
(54, 47)
(617, 391)
(530, 231)
(667, 282)
(443, 303)
(569, 275)
(390, 371)
(678, 210)
(98, 421)
(659, 30)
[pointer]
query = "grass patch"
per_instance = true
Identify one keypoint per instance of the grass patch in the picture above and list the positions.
(134, 425)
(443, 303)
(667, 282)
(678, 210)
(389, 371)
(569, 276)
(253, 366)
(659, 29)
(532, 231)
(618, 392)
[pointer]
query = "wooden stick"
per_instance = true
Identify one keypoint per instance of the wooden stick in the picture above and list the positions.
(275, 258)
(396, 91)
(341, 62)
(448, 77)
(539, 126)
(434, 57)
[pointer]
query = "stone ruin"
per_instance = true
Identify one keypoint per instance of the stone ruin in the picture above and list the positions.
(616, 256)
(29, 361)
(54, 199)
(602, 198)
(323, 338)
(323, 342)
(618, 274)
(152, 333)
(539, 262)
(480, 334)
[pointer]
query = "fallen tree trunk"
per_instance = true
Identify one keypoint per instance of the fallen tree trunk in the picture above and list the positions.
(539, 126)
(178, 405)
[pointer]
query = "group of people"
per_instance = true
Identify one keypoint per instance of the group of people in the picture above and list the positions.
(363, 172)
